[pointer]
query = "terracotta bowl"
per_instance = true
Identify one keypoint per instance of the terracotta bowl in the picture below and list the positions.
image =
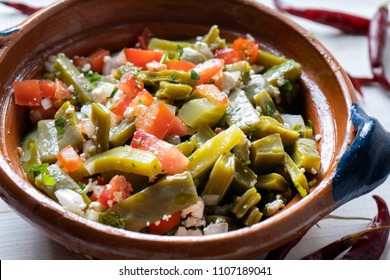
(354, 148)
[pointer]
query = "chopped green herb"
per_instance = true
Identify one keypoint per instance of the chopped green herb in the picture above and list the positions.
(286, 87)
(312, 182)
(180, 51)
(245, 163)
(37, 169)
(164, 58)
(93, 76)
(82, 186)
(113, 92)
(172, 78)
(270, 108)
(60, 130)
(194, 75)
(297, 127)
(60, 122)
(48, 180)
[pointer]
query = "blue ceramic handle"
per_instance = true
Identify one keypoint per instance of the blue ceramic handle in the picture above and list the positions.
(366, 164)
(7, 32)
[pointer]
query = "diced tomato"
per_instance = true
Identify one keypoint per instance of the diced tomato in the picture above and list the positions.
(172, 160)
(155, 119)
(79, 61)
(178, 127)
(121, 105)
(208, 69)
(116, 190)
(69, 159)
(212, 93)
(130, 85)
(62, 92)
(246, 49)
(48, 88)
(228, 55)
(180, 65)
(27, 93)
(96, 59)
(141, 57)
(164, 225)
(142, 98)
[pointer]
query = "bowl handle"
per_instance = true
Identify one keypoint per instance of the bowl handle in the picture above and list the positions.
(366, 163)
(7, 34)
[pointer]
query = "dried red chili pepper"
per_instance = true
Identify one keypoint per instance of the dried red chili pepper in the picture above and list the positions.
(377, 37)
(25, 9)
(143, 39)
(332, 250)
(371, 246)
(345, 22)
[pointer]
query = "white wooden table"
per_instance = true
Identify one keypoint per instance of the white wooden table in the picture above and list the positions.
(20, 240)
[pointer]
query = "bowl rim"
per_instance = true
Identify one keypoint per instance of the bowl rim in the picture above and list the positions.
(26, 192)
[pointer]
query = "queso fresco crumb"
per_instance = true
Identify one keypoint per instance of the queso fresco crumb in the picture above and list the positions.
(170, 137)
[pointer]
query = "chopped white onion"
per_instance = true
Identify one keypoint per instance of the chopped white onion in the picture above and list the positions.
(216, 228)
(295, 122)
(71, 200)
(46, 103)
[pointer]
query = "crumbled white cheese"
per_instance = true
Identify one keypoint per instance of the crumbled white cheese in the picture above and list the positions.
(166, 217)
(86, 67)
(204, 49)
(318, 137)
(313, 171)
(195, 210)
(230, 80)
(92, 215)
(273, 207)
(193, 222)
(71, 88)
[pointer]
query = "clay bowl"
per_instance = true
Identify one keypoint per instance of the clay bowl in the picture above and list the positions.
(349, 137)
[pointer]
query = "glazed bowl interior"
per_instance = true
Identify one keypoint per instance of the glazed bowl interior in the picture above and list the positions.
(325, 99)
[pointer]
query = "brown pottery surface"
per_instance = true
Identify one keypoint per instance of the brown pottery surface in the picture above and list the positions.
(79, 27)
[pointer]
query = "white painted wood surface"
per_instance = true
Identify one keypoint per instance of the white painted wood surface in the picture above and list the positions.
(20, 240)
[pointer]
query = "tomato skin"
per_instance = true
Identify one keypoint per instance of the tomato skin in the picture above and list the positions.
(116, 190)
(178, 127)
(246, 49)
(206, 70)
(47, 88)
(96, 59)
(228, 55)
(212, 93)
(130, 85)
(121, 105)
(164, 225)
(62, 92)
(142, 98)
(27, 93)
(69, 159)
(172, 160)
(180, 65)
(141, 57)
(155, 119)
